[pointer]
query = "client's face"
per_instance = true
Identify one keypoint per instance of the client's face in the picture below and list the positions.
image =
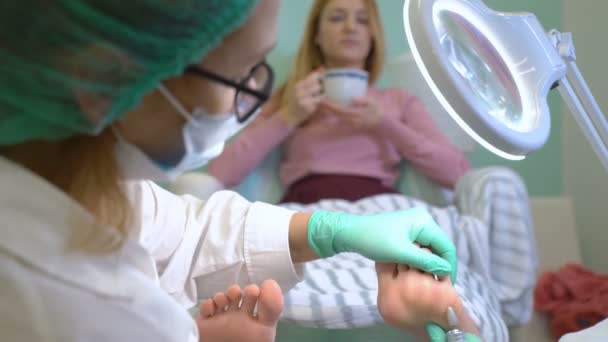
(344, 35)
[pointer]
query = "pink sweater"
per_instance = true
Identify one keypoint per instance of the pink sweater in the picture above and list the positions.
(326, 145)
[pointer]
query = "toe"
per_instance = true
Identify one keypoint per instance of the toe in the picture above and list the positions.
(385, 272)
(403, 268)
(234, 294)
(221, 302)
(252, 293)
(207, 308)
(270, 303)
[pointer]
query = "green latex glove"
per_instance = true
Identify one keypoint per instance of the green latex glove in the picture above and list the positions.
(387, 237)
(436, 334)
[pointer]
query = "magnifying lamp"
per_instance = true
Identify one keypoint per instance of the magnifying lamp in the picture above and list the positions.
(492, 73)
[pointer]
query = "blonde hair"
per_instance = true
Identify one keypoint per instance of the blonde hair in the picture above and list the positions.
(310, 56)
(93, 178)
(85, 168)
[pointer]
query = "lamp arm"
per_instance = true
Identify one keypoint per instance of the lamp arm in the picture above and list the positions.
(584, 93)
(579, 99)
(584, 121)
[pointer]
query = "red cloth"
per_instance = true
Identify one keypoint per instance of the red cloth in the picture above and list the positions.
(574, 297)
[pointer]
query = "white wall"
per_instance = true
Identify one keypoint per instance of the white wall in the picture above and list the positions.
(584, 178)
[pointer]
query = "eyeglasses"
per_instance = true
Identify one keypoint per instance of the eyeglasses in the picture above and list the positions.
(251, 91)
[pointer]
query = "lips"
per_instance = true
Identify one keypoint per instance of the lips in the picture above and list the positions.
(349, 42)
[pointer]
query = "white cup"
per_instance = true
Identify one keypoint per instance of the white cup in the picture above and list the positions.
(342, 85)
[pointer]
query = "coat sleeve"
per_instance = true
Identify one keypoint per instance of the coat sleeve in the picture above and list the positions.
(202, 247)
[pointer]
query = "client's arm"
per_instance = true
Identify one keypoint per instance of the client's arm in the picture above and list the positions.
(268, 131)
(421, 142)
(245, 152)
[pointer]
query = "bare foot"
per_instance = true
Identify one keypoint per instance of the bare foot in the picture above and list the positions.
(409, 298)
(224, 318)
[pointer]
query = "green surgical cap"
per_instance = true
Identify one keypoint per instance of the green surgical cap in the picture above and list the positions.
(58, 56)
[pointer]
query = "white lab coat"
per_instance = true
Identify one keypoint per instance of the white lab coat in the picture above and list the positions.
(183, 250)
(597, 333)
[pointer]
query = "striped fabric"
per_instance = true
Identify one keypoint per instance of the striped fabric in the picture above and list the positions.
(497, 259)
(498, 197)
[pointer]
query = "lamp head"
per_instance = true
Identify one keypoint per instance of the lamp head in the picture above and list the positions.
(490, 71)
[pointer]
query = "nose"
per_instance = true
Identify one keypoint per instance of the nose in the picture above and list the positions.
(350, 23)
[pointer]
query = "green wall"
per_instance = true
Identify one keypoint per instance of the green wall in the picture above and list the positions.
(542, 171)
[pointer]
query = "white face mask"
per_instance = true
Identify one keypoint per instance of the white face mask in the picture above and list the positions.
(204, 136)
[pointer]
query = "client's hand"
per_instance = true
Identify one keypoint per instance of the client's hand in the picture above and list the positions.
(362, 113)
(386, 237)
(303, 103)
